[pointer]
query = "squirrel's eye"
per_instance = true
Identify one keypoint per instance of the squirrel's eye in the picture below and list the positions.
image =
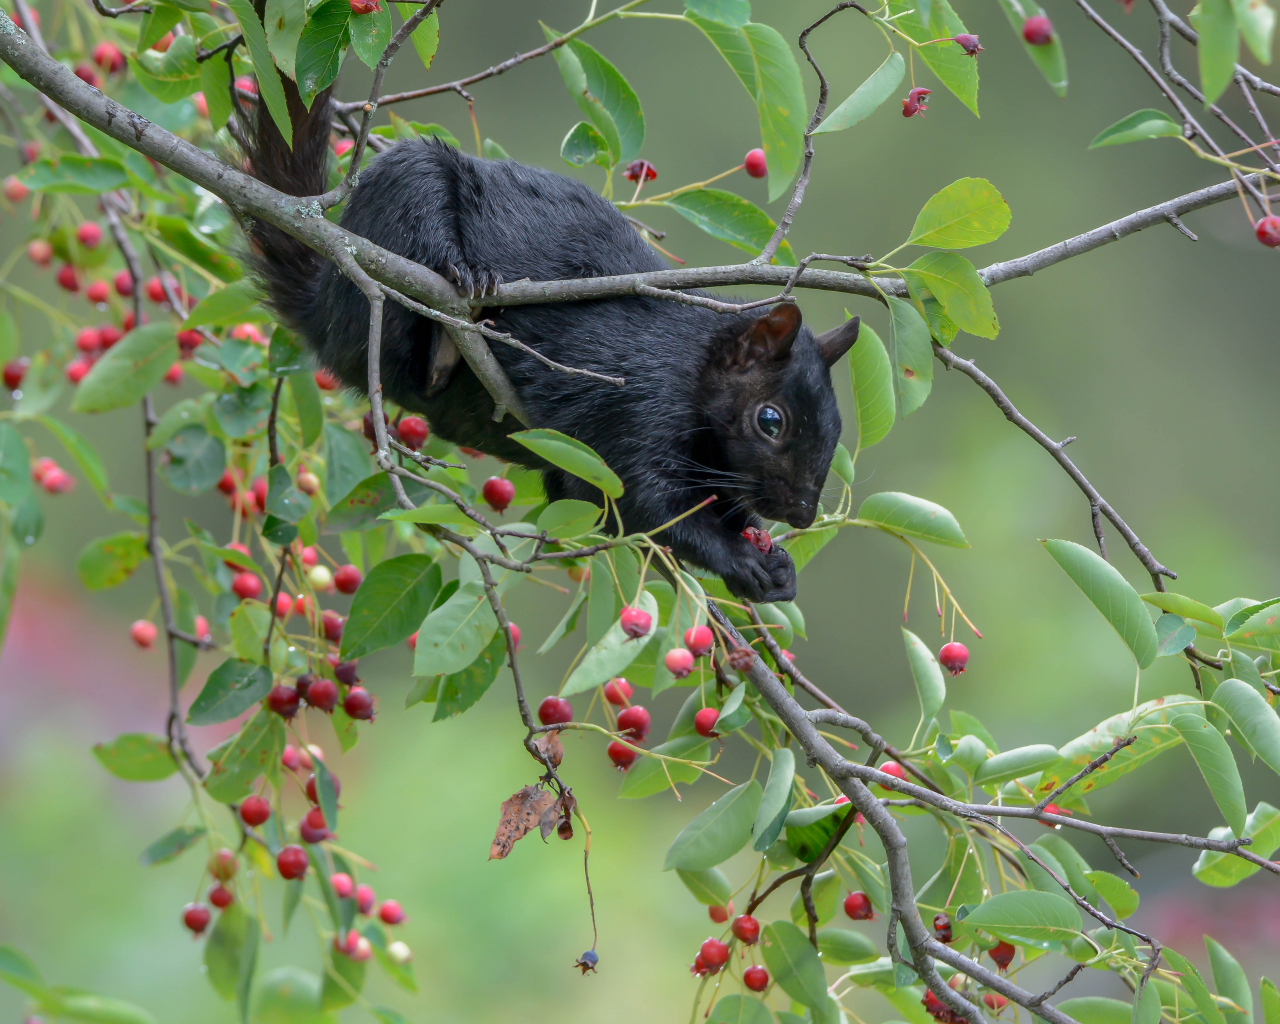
(769, 420)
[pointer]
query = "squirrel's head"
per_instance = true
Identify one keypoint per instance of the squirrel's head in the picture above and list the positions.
(768, 395)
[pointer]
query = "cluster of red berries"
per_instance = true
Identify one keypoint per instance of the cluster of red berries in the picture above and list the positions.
(698, 643)
(52, 478)
(713, 954)
(222, 867)
(942, 928)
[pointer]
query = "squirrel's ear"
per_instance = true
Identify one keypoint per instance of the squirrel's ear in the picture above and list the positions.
(837, 341)
(768, 339)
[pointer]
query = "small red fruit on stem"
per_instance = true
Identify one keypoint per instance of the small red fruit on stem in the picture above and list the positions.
(755, 164)
(1002, 953)
(747, 929)
(14, 371)
(715, 954)
(679, 662)
(323, 695)
(246, 585)
(313, 828)
(720, 914)
(634, 722)
(364, 6)
(498, 493)
(14, 190)
(390, 912)
(858, 906)
(68, 278)
(1268, 231)
(144, 633)
(621, 755)
(358, 704)
(89, 234)
(343, 886)
(283, 700)
(292, 862)
(969, 43)
(756, 978)
(638, 169)
(555, 711)
(760, 538)
(915, 103)
(255, 810)
(1038, 30)
(221, 897)
(618, 691)
(222, 865)
(635, 622)
(699, 640)
(98, 291)
(196, 916)
(894, 769)
(123, 284)
(348, 579)
(995, 1002)
(311, 788)
(39, 252)
(413, 432)
(954, 657)
(704, 722)
(365, 899)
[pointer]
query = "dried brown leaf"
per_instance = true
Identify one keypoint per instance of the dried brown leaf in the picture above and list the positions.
(551, 747)
(520, 813)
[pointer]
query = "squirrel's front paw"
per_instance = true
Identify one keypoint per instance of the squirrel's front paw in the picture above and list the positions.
(763, 577)
(782, 576)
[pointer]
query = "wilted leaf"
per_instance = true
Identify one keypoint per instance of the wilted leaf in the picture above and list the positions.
(521, 813)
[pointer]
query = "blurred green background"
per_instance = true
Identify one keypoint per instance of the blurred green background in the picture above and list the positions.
(1158, 353)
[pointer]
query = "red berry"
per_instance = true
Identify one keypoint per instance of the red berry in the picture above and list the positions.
(968, 43)
(942, 927)
(1002, 953)
(364, 6)
(235, 545)
(412, 642)
(246, 84)
(720, 914)
(77, 370)
(326, 381)
(760, 538)
(202, 104)
(746, 928)
(347, 672)
(579, 573)
(715, 954)
(89, 234)
(704, 722)
(365, 899)
(14, 371)
(163, 43)
(1038, 30)
(915, 103)
(41, 467)
(555, 711)
(894, 769)
(348, 579)
(935, 1007)
(196, 916)
(1268, 231)
(1054, 809)
(221, 897)
(30, 151)
(39, 252)
(638, 169)
(634, 722)
(332, 623)
(202, 628)
(14, 190)
(98, 291)
(58, 481)
(255, 810)
(124, 284)
(699, 640)
(343, 886)
(515, 634)
(86, 74)
(954, 657)
(858, 906)
(498, 492)
(309, 556)
(679, 662)
(292, 862)
(390, 912)
(144, 633)
(359, 704)
(756, 978)
(108, 57)
(312, 827)
(413, 431)
(283, 700)
(342, 147)
(260, 491)
(618, 691)
(841, 799)
(995, 1002)
(155, 290)
(246, 585)
(284, 606)
(173, 375)
(621, 755)
(68, 278)
(222, 865)
(699, 968)
(755, 163)
(290, 759)
(110, 334)
(189, 341)
(323, 695)
(635, 622)
(311, 788)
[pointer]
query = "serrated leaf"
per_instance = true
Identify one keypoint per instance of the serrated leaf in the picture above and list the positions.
(1140, 125)
(370, 34)
(911, 352)
(717, 833)
(913, 517)
(1195, 986)
(584, 145)
(284, 21)
(136, 757)
(1249, 622)
(867, 97)
(426, 38)
(732, 219)
(453, 635)
(253, 751)
(231, 689)
(954, 282)
(391, 603)
(128, 370)
(1111, 594)
(196, 460)
(269, 87)
(321, 47)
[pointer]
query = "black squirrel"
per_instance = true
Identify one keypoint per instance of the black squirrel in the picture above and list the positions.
(736, 405)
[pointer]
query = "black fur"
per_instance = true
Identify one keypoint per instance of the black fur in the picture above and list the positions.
(684, 427)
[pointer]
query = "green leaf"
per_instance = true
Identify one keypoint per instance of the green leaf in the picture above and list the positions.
(390, 604)
(284, 21)
(248, 626)
(230, 949)
(572, 456)
(1014, 764)
(1097, 1010)
(867, 97)
(1218, 46)
(912, 517)
(384, 1013)
(426, 40)
(269, 87)
(327, 791)
(717, 833)
(967, 212)
(1253, 716)
(1270, 1002)
(954, 282)
(80, 175)
(1142, 124)
(584, 145)
(1256, 20)
(603, 95)
(290, 995)
(11, 554)
(370, 34)
(1111, 594)
(109, 561)
(179, 233)
(171, 75)
(171, 844)
(461, 690)
(825, 893)
(776, 800)
(842, 466)
(79, 448)
(136, 757)
(1218, 766)
(253, 751)
(767, 69)
(306, 399)
(1119, 895)
(804, 546)
(732, 219)
(649, 775)
(1250, 623)
(196, 460)
(321, 47)
(841, 946)
(284, 500)
(94, 1009)
(569, 518)
(491, 150)
(734, 13)
(1026, 914)
(232, 688)
(739, 1009)
(709, 887)
(242, 412)
(455, 634)
(225, 306)
(912, 354)
(153, 26)
(1222, 869)
(1049, 57)
(334, 996)
(1230, 981)
(17, 969)
(1173, 633)
(794, 963)
(955, 69)
(15, 466)
(284, 353)
(128, 370)
(931, 688)
(1195, 986)
(611, 654)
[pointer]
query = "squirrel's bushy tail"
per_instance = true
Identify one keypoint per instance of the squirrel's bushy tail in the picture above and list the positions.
(288, 269)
